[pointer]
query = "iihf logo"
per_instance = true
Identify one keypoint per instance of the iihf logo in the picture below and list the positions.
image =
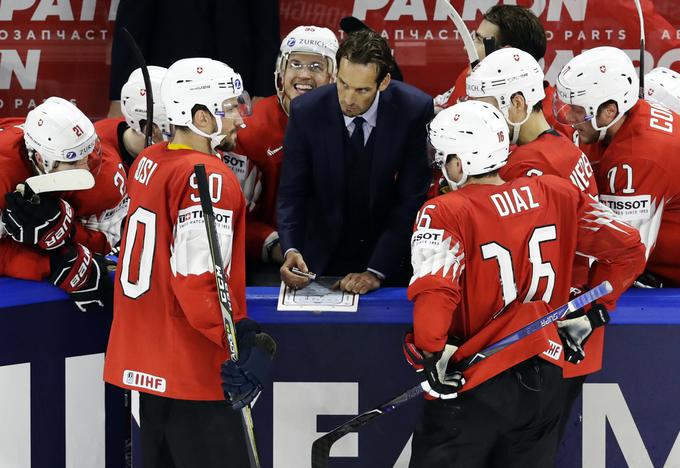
(291, 42)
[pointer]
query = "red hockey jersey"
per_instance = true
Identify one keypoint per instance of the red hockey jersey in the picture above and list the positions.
(638, 178)
(551, 153)
(479, 254)
(167, 336)
(262, 143)
(100, 210)
(107, 131)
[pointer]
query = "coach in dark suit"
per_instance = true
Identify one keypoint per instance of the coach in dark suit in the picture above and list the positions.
(355, 172)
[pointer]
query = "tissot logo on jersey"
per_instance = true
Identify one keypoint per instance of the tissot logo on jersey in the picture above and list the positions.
(192, 218)
(142, 380)
(629, 208)
(427, 237)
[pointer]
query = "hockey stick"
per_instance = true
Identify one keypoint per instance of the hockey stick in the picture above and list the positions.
(62, 181)
(322, 446)
(148, 131)
(463, 31)
(642, 48)
(148, 141)
(224, 299)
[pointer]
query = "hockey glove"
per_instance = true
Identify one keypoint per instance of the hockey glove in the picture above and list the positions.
(82, 275)
(440, 384)
(47, 224)
(576, 328)
(243, 380)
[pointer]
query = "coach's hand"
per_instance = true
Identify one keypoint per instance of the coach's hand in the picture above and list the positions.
(358, 283)
(294, 260)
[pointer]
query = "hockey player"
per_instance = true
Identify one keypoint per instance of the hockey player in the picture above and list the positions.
(60, 237)
(662, 87)
(488, 259)
(126, 134)
(167, 339)
(512, 81)
(306, 61)
(638, 142)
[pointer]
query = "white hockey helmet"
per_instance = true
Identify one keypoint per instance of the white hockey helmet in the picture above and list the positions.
(133, 100)
(306, 40)
(192, 81)
(662, 86)
(475, 132)
(59, 132)
(504, 73)
(589, 80)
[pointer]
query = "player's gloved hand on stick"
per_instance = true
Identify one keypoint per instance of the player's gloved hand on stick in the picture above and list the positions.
(83, 275)
(243, 380)
(576, 328)
(47, 224)
(440, 384)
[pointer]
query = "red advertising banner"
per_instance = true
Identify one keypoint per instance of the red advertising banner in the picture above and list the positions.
(55, 48)
(63, 47)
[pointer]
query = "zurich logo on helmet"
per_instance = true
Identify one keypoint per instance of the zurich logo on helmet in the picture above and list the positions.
(71, 155)
(237, 84)
(291, 42)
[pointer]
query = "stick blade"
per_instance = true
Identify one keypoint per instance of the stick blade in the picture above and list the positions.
(62, 181)
(321, 448)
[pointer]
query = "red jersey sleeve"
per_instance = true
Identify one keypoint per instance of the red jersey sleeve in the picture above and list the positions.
(614, 245)
(193, 280)
(438, 259)
(23, 262)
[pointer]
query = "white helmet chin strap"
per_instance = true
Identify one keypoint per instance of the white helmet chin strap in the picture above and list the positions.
(515, 126)
(215, 138)
(454, 185)
(603, 130)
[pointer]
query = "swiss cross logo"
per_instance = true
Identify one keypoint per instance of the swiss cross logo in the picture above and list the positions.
(501, 137)
(456, 117)
(650, 92)
(142, 92)
(516, 57)
(40, 122)
(603, 68)
(199, 70)
(77, 130)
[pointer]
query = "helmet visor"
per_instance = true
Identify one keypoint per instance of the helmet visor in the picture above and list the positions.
(240, 106)
(569, 114)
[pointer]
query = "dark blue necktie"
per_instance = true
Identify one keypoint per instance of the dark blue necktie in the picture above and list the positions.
(357, 138)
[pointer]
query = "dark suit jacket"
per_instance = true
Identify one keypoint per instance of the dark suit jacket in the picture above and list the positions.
(311, 191)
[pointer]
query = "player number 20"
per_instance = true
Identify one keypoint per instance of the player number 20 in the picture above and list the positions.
(539, 268)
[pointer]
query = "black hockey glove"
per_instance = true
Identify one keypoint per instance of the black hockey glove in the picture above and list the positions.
(440, 383)
(82, 275)
(47, 224)
(243, 380)
(576, 328)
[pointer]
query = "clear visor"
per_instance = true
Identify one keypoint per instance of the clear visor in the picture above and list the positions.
(569, 114)
(236, 107)
(92, 162)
